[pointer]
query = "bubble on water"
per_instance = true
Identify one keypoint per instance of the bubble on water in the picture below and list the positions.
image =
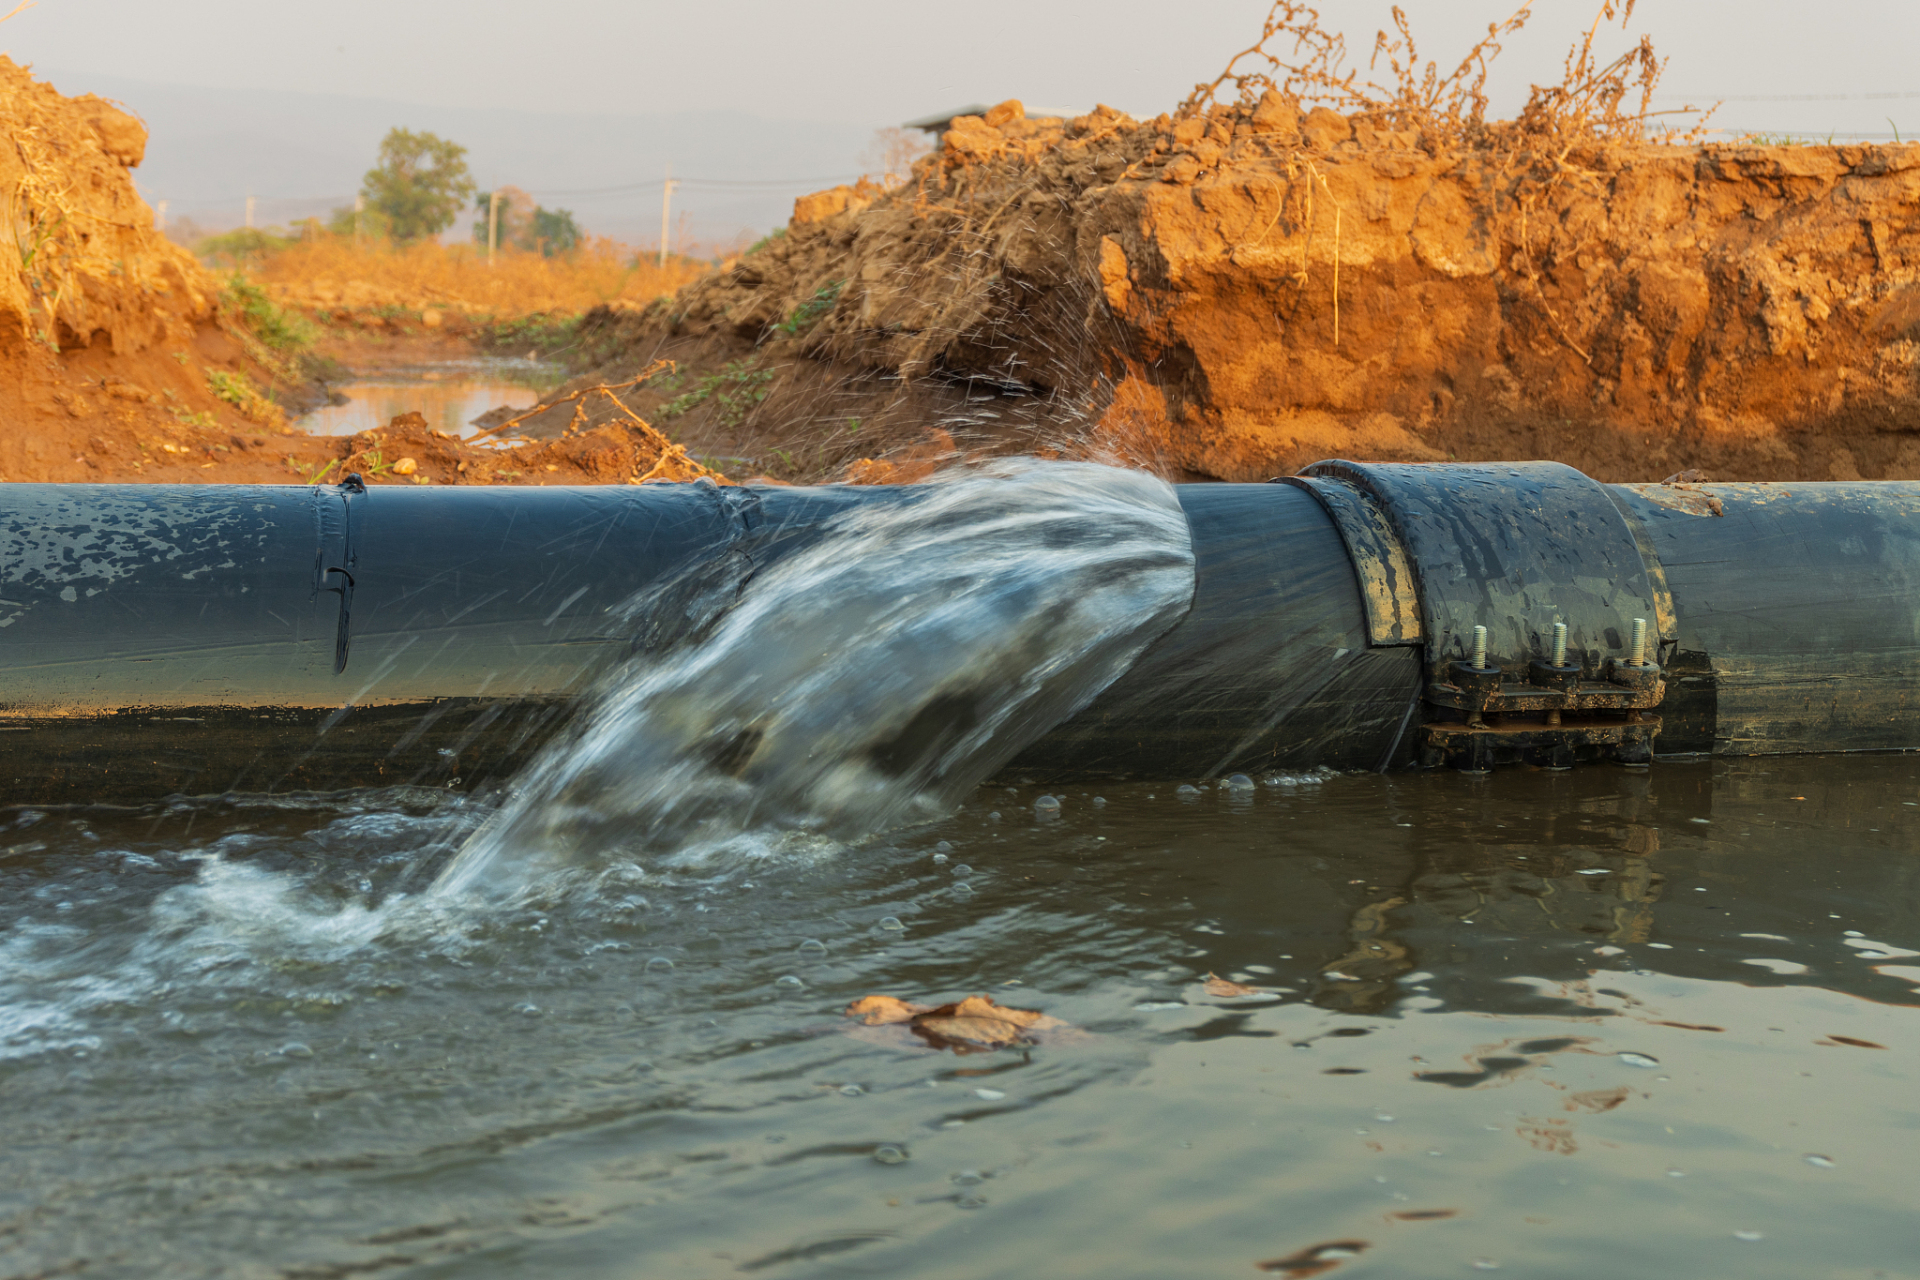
(1749, 1236)
(988, 1095)
(1047, 805)
(891, 922)
(962, 869)
(1155, 1006)
(1384, 1118)
(294, 1049)
(623, 1010)
(962, 887)
(526, 1010)
(1676, 1173)
(1820, 1162)
(1238, 782)
(852, 1090)
(939, 859)
(659, 964)
(788, 980)
(1484, 1264)
(813, 947)
(969, 1178)
(887, 1153)
(1638, 1059)
(970, 1202)
(994, 816)
(1186, 791)
(943, 847)
(1099, 802)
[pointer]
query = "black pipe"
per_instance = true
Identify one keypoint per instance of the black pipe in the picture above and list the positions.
(158, 639)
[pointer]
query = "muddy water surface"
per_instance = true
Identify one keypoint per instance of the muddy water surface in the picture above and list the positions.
(1601, 1023)
(449, 393)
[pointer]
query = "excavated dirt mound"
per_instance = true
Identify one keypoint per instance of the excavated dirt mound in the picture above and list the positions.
(116, 355)
(1239, 292)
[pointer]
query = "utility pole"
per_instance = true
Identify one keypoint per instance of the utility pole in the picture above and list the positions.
(493, 223)
(160, 218)
(249, 213)
(666, 205)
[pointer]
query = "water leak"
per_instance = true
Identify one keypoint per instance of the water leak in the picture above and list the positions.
(1297, 1024)
(449, 393)
(867, 681)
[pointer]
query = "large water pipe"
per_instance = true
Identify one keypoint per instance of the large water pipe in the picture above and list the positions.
(159, 640)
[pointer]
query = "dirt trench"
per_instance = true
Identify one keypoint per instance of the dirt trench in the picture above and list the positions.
(1238, 293)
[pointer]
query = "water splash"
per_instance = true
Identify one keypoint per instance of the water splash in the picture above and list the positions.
(868, 680)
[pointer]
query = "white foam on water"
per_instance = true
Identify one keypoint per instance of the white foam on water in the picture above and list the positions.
(869, 680)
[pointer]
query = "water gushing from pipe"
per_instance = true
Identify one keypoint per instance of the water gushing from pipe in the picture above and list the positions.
(868, 680)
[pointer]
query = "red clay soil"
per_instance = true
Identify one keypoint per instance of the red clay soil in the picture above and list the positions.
(121, 360)
(1240, 292)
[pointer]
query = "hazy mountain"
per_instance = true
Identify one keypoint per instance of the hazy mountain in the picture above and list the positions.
(304, 153)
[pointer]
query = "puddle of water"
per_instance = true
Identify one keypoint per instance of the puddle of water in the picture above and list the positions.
(450, 395)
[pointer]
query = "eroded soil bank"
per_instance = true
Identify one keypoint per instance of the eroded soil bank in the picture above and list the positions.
(1237, 293)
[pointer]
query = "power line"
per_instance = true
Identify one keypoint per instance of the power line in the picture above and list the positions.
(1785, 97)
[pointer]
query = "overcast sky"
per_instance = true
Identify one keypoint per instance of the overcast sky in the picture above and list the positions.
(1842, 66)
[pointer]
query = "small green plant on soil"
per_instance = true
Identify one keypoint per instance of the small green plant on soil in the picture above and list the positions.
(277, 329)
(764, 241)
(735, 392)
(542, 333)
(238, 390)
(201, 419)
(808, 313)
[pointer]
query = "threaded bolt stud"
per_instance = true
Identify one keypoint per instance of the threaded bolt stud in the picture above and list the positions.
(1479, 648)
(1559, 644)
(1639, 641)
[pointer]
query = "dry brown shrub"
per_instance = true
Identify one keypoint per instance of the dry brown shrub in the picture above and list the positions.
(326, 270)
(1592, 101)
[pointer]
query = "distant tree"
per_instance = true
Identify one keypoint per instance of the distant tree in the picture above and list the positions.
(525, 225)
(419, 185)
(515, 219)
(554, 231)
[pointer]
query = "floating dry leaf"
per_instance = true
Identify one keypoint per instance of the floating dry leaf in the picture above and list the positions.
(1849, 1040)
(1219, 986)
(1425, 1215)
(1314, 1260)
(973, 1023)
(880, 1011)
(1598, 1099)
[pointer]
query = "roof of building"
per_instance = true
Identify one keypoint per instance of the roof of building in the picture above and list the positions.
(939, 120)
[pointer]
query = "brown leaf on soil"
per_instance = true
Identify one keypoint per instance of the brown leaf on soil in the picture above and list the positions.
(1219, 986)
(1314, 1260)
(877, 1011)
(975, 1022)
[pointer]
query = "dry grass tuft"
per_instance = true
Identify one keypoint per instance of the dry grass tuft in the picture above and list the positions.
(1593, 101)
(328, 272)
